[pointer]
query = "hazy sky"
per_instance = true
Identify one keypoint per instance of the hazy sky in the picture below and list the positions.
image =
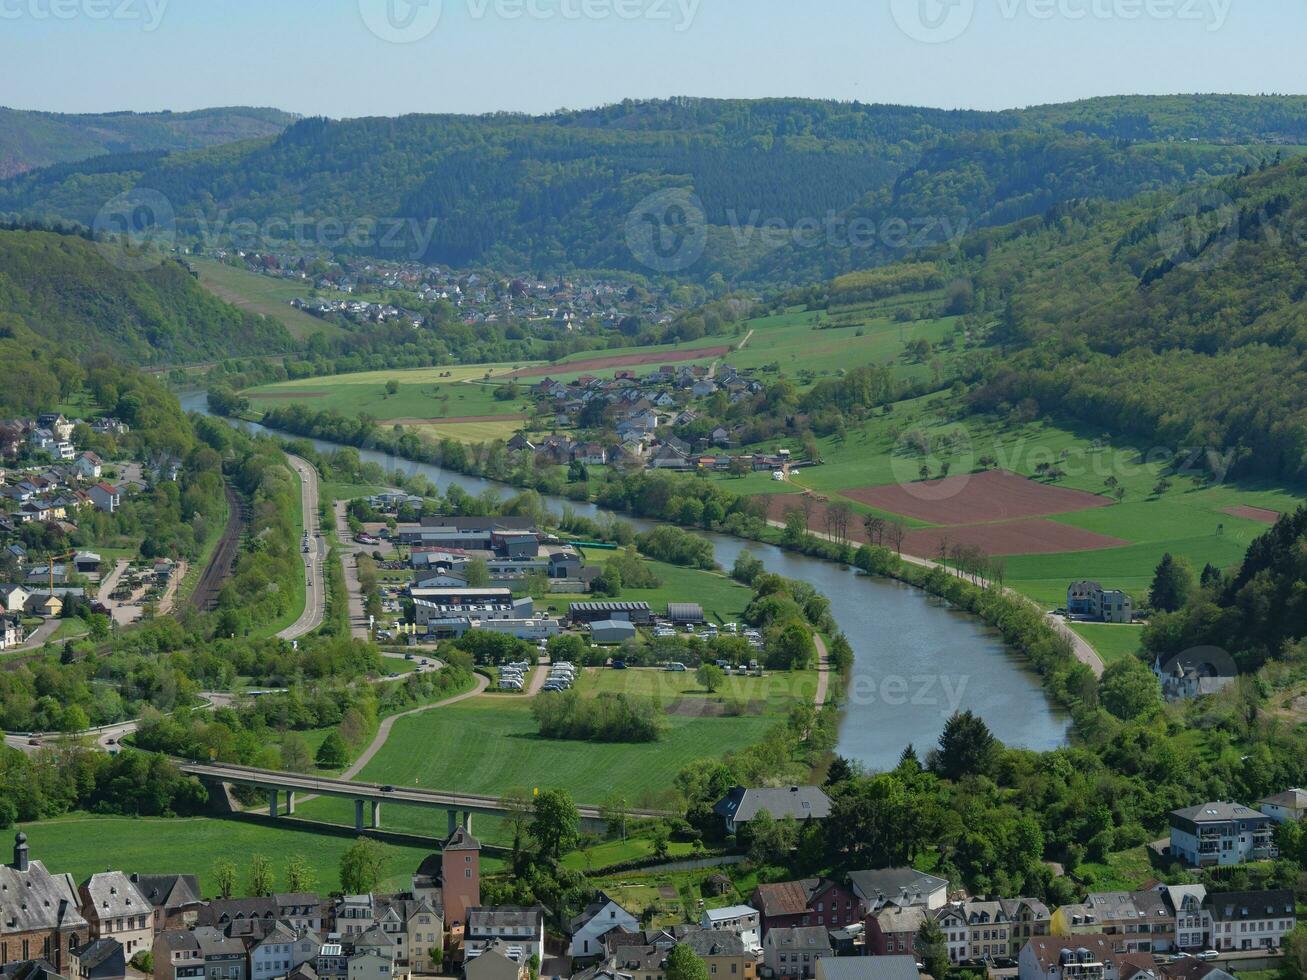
(385, 57)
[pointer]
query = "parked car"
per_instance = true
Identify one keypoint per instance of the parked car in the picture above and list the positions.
(677, 668)
(1208, 954)
(619, 665)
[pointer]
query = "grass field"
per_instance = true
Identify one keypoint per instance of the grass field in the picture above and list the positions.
(264, 295)
(1113, 642)
(489, 745)
(422, 395)
(79, 844)
(469, 432)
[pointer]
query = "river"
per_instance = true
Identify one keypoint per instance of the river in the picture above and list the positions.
(915, 659)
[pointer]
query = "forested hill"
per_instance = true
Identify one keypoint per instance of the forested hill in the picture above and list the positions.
(38, 139)
(1179, 318)
(63, 288)
(555, 192)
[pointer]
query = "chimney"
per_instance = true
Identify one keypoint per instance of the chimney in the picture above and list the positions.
(20, 852)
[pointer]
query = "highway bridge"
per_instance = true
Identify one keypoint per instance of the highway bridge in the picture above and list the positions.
(460, 806)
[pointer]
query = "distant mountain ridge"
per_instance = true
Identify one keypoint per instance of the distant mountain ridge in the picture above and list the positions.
(751, 179)
(31, 139)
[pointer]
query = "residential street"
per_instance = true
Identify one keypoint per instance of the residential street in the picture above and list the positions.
(358, 621)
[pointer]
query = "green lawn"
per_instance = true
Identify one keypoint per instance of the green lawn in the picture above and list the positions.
(264, 295)
(82, 844)
(1123, 871)
(1112, 641)
(490, 745)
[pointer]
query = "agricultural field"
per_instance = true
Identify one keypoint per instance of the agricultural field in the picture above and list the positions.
(77, 844)
(1103, 518)
(263, 295)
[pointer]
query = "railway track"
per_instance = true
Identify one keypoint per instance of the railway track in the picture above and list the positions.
(205, 596)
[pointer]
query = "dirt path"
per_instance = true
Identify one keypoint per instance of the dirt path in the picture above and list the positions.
(538, 678)
(747, 337)
(459, 420)
(384, 729)
(823, 670)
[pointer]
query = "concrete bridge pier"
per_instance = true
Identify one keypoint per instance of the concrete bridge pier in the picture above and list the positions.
(358, 815)
(376, 814)
(467, 821)
(290, 803)
(453, 822)
(272, 803)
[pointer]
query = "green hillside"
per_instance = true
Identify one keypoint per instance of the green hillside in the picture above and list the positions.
(565, 190)
(64, 289)
(38, 139)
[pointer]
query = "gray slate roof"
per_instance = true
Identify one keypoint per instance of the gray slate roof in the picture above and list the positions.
(800, 802)
(870, 968)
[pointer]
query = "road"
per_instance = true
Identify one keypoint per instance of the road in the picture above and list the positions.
(1083, 650)
(37, 638)
(315, 558)
(358, 620)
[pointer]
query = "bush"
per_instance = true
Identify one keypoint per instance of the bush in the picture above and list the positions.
(606, 718)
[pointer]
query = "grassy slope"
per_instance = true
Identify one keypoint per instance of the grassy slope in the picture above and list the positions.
(297, 600)
(264, 295)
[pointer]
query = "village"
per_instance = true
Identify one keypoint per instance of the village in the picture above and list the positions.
(633, 421)
(49, 485)
(343, 289)
(874, 924)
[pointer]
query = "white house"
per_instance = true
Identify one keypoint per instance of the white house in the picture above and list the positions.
(743, 920)
(600, 917)
(1251, 920)
(1287, 807)
(1221, 834)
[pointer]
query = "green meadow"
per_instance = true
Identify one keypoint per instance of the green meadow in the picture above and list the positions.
(83, 844)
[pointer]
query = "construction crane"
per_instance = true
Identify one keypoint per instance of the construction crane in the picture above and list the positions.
(50, 560)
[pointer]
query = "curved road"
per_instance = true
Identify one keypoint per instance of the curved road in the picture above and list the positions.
(315, 558)
(1084, 651)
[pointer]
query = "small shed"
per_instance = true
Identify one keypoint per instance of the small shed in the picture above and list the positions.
(685, 613)
(612, 631)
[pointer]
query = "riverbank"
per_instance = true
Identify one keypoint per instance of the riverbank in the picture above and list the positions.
(900, 634)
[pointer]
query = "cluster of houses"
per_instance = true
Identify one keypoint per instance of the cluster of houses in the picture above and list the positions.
(640, 411)
(864, 925)
(479, 298)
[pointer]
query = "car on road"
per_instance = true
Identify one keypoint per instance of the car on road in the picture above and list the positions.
(388, 789)
(1208, 954)
(619, 665)
(677, 668)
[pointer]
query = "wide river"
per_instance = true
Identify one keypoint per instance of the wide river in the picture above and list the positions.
(916, 660)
